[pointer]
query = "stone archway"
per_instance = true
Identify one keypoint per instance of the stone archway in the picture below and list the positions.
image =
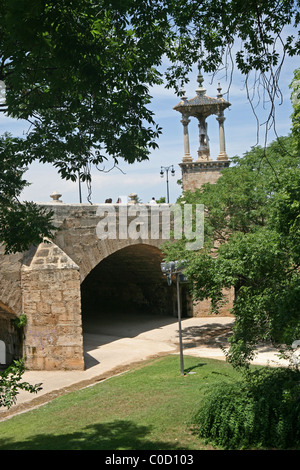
(125, 295)
(46, 282)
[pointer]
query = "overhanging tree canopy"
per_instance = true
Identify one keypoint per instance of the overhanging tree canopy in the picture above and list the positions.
(252, 239)
(79, 71)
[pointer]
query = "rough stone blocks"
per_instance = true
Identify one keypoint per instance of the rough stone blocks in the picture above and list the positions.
(51, 300)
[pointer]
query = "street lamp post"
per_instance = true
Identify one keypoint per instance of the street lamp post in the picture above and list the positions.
(169, 269)
(166, 169)
(79, 187)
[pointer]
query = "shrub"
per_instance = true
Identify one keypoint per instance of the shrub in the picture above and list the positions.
(10, 384)
(261, 411)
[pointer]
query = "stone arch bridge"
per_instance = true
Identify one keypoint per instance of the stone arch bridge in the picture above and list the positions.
(100, 257)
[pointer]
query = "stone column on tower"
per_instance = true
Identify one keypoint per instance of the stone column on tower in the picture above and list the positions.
(221, 118)
(186, 142)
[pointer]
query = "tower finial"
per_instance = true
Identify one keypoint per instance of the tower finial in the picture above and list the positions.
(200, 90)
(182, 94)
(219, 95)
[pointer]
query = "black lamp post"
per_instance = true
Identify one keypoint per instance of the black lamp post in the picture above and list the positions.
(166, 169)
(169, 269)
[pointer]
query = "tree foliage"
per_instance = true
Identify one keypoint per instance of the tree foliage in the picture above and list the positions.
(11, 384)
(295, 86)
(22, 223)
(252, 240)
(77, 73)
(252, 237)
(262, 412)
(80, 72)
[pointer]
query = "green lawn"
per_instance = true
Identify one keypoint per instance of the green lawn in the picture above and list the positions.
(148, 408)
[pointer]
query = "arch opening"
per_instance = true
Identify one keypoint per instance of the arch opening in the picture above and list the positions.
(11, 337)
(128, 281)
(125, 295)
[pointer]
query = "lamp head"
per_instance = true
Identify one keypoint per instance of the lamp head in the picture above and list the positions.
(163, 267)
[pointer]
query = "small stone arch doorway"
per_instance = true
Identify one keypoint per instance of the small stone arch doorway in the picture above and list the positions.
(128, 281)
(11, 337)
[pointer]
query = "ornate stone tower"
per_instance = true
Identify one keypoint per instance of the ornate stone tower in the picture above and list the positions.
(204, 169)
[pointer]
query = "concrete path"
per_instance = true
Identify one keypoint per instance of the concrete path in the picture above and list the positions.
(112, 346)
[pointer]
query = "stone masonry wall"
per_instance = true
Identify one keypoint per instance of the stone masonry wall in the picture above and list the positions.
(195, 174)
(203, 308)
(77, 234)
(51, 301)
(10, 280)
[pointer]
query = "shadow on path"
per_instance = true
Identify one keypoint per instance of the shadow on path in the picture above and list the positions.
(209, 335)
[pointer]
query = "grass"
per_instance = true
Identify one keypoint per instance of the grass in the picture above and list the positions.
(148, 408)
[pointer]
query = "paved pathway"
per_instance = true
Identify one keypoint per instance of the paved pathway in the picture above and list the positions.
(111, 347)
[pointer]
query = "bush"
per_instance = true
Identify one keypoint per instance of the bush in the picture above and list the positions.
(261, 411)
(10, 384)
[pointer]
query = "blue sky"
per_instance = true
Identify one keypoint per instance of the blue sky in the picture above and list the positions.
(144, 178)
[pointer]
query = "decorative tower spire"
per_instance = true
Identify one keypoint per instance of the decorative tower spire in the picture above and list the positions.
(201, 107)
(219, 95)
(200, 90)
(182, 94)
